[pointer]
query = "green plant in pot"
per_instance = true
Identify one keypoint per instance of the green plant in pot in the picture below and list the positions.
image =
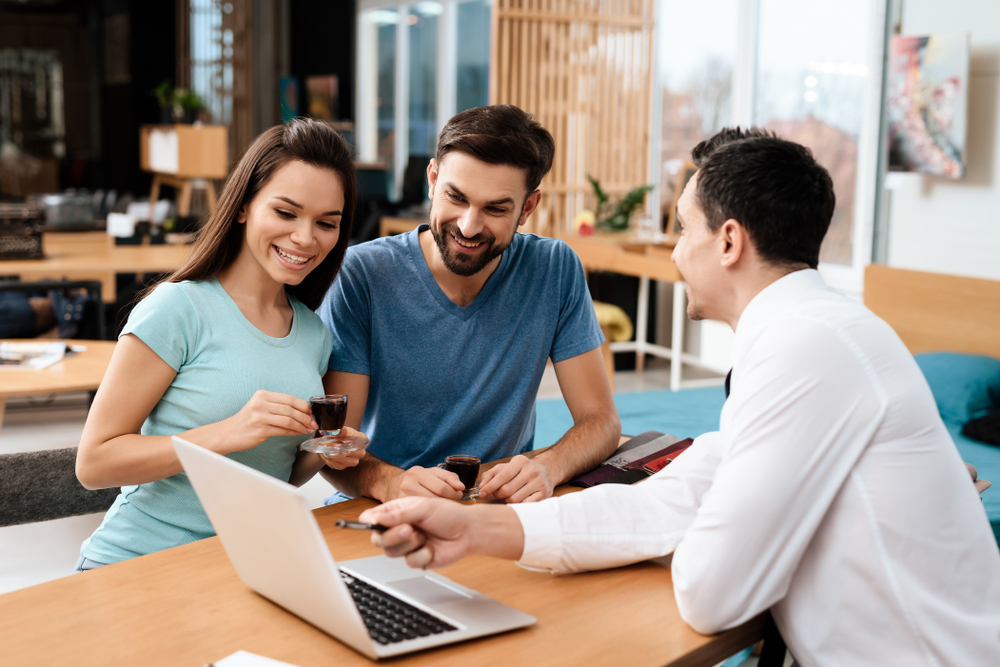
(190, 104)
(615, 217)
(164, 94)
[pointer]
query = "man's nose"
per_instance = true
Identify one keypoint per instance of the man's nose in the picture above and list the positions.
(470, 223)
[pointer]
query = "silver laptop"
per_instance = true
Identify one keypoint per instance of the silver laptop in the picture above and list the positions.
(378, 606)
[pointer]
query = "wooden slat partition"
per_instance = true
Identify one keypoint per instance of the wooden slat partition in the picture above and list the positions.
(584, 69)
(933, 311)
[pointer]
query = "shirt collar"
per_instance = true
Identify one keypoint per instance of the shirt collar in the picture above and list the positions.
(776, 297)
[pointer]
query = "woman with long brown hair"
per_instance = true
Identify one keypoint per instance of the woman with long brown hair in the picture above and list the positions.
(225, 351)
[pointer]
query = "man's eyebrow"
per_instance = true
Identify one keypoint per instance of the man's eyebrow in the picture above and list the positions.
(294, 203)
(495, 202)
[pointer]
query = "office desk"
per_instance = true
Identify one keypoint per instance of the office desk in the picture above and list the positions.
(624, 254)
(81, 372)
(94, 256)
(186, 606)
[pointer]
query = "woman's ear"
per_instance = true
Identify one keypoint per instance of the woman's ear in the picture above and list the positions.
(241, 217)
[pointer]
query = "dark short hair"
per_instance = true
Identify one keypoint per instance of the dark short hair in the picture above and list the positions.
(500, 134)
(221, 237)
(774, 188)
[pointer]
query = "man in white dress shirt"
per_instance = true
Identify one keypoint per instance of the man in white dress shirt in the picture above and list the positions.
(831, 494)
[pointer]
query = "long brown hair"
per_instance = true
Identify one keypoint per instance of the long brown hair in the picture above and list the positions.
(221, 237)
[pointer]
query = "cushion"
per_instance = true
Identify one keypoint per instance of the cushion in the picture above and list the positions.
(985, 429)
(965, 386)
(613, 317)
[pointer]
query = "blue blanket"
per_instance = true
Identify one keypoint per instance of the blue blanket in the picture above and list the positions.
(685, 414)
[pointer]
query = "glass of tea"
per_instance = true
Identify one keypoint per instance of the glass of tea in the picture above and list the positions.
(330, 413)
(466, 467)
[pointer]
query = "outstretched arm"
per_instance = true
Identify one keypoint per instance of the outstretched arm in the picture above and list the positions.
(432, 532)
(594, 436)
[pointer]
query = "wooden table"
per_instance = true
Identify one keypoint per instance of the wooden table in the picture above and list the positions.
(94, 256)
(81, 372)
(186, 606)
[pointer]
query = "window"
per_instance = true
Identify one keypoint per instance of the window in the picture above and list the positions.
(419, 63)
(696, 81)
(812, 72)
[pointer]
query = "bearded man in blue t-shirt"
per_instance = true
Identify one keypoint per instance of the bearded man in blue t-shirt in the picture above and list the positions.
(441, 335)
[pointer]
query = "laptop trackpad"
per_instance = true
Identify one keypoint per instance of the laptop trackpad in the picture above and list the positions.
(425, 590)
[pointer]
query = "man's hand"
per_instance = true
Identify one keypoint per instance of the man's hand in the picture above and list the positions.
(428, 482)
(522, 480)
(350, 459)
(432, 533)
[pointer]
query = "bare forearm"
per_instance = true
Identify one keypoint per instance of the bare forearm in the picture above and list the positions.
(369, 478)
(305, 468)
(583, 447)
(131, 459)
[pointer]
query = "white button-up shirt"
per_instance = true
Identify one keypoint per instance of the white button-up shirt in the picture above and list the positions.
(832, 495)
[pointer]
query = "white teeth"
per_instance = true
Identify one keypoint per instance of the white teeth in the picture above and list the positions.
(463, 243)
(294, 259)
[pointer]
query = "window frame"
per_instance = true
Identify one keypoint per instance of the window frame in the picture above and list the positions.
(367, 77)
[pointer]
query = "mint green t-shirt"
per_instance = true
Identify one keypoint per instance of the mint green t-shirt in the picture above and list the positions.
(221, 359)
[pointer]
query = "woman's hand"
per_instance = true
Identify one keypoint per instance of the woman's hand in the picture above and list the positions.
(350, 459)
(266, 415)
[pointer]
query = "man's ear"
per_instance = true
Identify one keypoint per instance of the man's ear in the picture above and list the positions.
(735, 242)
(432, 177)
(530, 204)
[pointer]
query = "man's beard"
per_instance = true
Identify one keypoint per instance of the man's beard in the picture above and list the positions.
(467, 265)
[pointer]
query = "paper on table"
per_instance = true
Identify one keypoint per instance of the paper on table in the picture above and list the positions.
(620, 460)
(31, 354)
(247, 659)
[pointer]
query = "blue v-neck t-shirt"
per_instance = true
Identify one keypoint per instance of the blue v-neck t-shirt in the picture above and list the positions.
(447, 379)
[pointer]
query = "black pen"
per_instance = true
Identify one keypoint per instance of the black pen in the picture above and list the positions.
(357, 525)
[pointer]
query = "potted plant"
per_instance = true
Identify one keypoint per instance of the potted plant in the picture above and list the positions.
(616, 217)
(190, 104)
(164, 94)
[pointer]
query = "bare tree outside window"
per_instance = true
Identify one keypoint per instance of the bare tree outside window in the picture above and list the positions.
(696, 59)
(811, 80)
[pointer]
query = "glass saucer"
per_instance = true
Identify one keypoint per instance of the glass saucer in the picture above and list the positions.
(334, 445)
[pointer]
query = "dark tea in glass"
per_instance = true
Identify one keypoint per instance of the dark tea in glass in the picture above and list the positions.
(330, 412)
(466, 467)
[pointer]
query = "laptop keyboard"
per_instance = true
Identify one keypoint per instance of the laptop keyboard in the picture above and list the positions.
(389, 619)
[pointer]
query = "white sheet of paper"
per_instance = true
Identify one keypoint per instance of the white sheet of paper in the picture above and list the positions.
(247, 659)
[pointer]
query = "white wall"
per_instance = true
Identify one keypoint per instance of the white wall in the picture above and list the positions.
(937, 224)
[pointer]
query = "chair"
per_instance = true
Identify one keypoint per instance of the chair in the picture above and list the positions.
(42, 485)
(773, 652)
(77, 316)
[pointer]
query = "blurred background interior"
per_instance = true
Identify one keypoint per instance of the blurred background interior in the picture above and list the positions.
(119, 120)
